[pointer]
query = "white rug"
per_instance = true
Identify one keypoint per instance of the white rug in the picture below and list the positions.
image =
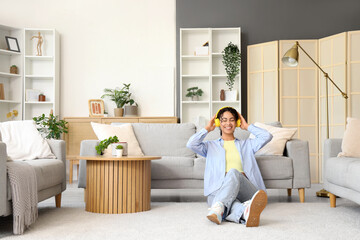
(283, 218)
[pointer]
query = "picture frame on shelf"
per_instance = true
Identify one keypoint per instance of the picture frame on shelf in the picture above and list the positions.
(12, 44)
(2, 94)
(32, 95)
(96, 108)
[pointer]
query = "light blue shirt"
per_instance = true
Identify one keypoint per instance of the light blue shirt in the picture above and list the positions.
(214, 153)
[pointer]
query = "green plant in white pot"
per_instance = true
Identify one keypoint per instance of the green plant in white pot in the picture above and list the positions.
(194, 93)
(119, 150)
(120, 97)
(231, 60)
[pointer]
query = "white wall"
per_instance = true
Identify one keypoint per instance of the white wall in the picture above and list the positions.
(105, 44)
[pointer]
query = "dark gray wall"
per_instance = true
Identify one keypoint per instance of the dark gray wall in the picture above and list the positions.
(267, 20)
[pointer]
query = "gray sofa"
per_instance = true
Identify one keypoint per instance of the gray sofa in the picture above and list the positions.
(341, 174)
(181, 168)
(50, 176)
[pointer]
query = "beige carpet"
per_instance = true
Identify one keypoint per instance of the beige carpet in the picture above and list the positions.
(283, 218)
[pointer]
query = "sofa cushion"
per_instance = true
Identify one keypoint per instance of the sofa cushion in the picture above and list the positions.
(350, 142)
(170, 167)
(124, 133)
(164, 139)
(275, 167)
(49, 172)
(343, 171)
(277, 144)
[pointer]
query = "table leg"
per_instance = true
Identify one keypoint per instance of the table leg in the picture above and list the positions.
(71, 171)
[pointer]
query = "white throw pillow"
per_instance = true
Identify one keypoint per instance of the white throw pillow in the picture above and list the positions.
(277, 144)
(350, 143)
(125, 133)
(23, 141)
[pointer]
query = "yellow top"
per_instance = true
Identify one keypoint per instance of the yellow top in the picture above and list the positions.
(232, 156)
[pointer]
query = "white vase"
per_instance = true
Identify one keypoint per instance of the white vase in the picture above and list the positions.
(231, 95)
(195, 98)
(119, 152)
(125, 146)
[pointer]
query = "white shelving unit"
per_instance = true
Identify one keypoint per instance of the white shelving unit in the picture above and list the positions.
(205, 72)
(12, 82)
(41, 72)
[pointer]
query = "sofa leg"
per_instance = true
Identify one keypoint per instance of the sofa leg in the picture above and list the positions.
(302, 194)
(289, 192)
(332, 200)
(58, 200)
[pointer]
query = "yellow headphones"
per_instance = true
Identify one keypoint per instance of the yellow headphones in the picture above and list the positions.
(217, 120)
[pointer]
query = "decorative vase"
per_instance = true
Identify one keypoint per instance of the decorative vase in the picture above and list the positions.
(222, 95)
(131, 111)
(119, 152)
(118, 112)
(13, 70)
(42, 98)
(195, 98)
(231, 95)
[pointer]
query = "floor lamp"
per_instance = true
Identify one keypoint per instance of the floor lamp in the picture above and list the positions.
(291, 59)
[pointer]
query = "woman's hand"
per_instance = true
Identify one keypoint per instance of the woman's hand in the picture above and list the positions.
(211, 124)
(244, 125)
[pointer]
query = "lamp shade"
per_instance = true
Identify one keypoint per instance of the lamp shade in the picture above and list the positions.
(291, 57)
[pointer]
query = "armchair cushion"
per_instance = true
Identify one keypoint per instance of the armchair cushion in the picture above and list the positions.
(350, 143)
(23, 141)
(344, 172)
(49, 172)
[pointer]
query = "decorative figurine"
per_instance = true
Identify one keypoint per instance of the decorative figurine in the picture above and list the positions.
(39, 43)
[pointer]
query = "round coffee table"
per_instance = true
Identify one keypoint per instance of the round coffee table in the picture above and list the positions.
(118, 184)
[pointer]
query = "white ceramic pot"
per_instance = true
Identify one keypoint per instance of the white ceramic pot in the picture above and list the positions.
(195, 98)
(125, 148)
(119, 152)
(231, 95)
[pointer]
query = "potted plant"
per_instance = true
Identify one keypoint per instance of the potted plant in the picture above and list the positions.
(119, 150)
(124, 148)
(194, 93)
(231, 60)
(13, 69)
(105, 143)
(51, 127)
(131, 110)
(120, 97)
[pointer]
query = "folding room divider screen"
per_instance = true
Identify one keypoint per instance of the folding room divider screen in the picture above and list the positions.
(300, 98)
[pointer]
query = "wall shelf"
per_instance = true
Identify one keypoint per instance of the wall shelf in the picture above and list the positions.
(9, 75)
(12, 83)
(39, 77)
(206, 72)
(39, 58)
(10, 101)
(42, 72)
(9, 53)
(195, 102)
(39, 102)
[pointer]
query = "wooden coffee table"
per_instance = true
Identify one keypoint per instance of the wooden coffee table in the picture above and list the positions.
(118, 184)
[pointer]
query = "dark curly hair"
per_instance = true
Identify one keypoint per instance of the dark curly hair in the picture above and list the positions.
(227, 109)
